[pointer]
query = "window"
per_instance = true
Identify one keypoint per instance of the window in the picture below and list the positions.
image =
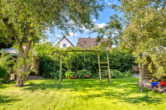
(64, 45)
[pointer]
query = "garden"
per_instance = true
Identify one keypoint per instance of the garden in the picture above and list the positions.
(93, 75)
(80, 94)
(83, 64)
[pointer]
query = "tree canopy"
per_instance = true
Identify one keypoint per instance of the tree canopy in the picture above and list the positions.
(27, 21)
(142, 30)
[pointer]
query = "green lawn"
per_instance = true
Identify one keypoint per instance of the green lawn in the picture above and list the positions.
(80, 94)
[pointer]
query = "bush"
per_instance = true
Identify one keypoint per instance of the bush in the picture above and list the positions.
(69, 74)
(116, 74)
(83, 73)
(4, 75)
(120, 60)
(5, 60)
(128, 73)
(48, 66)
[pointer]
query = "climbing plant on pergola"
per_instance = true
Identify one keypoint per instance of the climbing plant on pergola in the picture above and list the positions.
(99, 63)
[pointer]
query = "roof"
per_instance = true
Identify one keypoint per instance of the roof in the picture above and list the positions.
(12, 51)
(64, 37)
(9, 51)
(90, 42)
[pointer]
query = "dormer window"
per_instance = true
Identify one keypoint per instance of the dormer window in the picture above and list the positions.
(64, 45)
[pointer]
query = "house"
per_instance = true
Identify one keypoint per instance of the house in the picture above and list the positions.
(11, 51)
(64, 42)
(89, 43)
(14, 53)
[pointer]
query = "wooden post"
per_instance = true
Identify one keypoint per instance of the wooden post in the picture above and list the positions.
(99, 68)
(141, 72)
(109, 73)
(60, 72)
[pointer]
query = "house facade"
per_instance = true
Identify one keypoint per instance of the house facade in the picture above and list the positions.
(64, 43)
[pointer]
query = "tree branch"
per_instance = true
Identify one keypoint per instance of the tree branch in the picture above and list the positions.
(9, 28)
(28, 46)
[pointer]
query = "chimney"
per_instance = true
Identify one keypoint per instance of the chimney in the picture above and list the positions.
(64, 36)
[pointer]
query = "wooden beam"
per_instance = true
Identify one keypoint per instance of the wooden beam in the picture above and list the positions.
(82, 50)
(141, 73)
(99, 68)
(109, 73)
(60, 72)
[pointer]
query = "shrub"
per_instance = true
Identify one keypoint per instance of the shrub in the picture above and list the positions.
(4, 75)
(83, 73)
(116, 74)
(120, 60)
(69, 74)
(5, 60)
(1, 80)
(47, 66)
(128, 73)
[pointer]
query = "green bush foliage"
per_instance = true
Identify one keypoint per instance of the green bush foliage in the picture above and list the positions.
(121, 60)
(116, 73)
(80, 61)
(69, 74)
(76, 61)
(83, 73)
(4, 75)
(48, 66)
(5, 60)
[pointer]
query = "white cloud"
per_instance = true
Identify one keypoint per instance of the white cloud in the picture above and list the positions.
(58, 36)
(85, 29)
(101, 25)
(71, 22)
(109, 4)
(72, 34)
(94, 20)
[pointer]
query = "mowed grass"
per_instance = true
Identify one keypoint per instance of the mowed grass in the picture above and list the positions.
(80, 94)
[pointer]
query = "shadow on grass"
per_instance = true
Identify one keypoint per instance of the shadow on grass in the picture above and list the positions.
(122, 97)
(120, 89)
(2, 86)
(72, 85)
(7, 99)
(78, 84)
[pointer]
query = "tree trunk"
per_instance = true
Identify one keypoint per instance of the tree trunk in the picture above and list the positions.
(109, 73)
(21, 74)
(60, 72)
(19, 82)
(141, 72)
(99, 69)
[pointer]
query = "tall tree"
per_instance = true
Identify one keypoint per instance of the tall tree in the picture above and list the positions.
(143, 32)
(27, 21)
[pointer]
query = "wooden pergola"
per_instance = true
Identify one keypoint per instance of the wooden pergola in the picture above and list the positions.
(99, 63)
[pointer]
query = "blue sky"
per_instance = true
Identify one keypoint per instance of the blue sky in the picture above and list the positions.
(101, 21)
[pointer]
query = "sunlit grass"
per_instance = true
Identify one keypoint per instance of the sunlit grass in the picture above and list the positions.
(80, 94)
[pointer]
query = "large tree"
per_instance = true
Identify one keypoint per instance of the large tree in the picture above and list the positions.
(27, 21)
(142, 32)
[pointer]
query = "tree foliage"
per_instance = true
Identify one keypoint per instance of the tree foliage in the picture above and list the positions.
(27, 21)
(144, 32)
